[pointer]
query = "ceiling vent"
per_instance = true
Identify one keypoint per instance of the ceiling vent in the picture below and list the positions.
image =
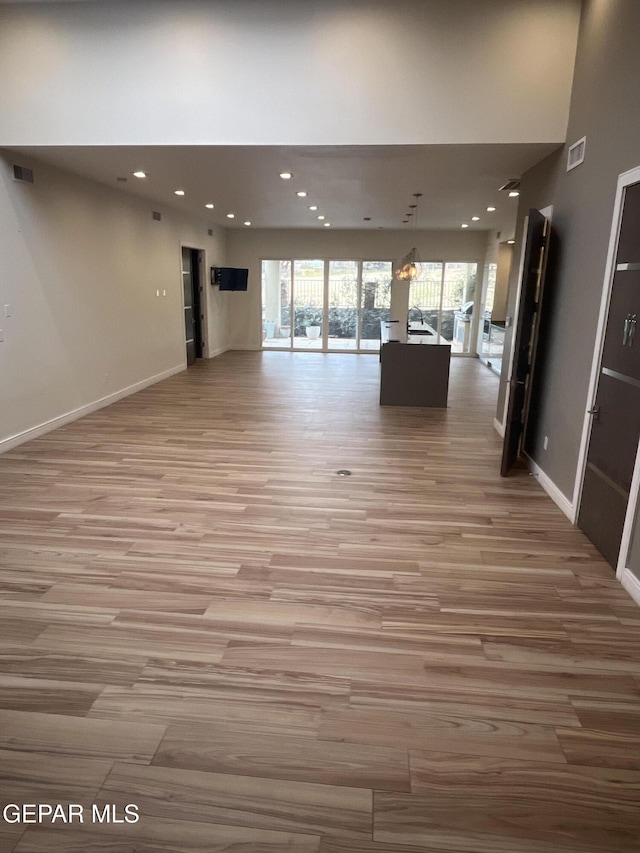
(576, 153)
(510, 186)
(156, 215)
(21, 173)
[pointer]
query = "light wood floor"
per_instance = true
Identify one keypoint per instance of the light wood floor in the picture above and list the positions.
(200, 618)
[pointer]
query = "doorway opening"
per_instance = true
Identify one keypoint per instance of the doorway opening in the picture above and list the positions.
(193, 300)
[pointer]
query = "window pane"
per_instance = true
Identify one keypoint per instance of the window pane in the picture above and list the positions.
(308, 299)
(375, 301)
(276, 304)
(457, 304)
(343, 304)
(424, 296)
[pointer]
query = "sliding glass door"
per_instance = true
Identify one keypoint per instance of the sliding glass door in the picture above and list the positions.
(332, 306)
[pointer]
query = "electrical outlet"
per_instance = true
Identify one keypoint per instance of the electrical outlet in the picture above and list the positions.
(7, 310)
(1, 335)
(545, 443)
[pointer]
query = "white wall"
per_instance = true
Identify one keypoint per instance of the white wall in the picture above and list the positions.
(249, 248)
(282, 72)
(81, 264)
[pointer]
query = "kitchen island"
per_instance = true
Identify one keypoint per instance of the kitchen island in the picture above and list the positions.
(415, 372)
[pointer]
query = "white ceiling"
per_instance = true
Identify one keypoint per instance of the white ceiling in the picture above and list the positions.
(347, 183)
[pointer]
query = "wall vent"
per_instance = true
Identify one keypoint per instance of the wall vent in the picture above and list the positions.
(157, 215)
(210, 232)
(21, 173)
(510, 186)
(575, 155)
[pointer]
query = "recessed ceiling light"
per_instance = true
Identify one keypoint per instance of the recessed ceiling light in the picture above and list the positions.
(139, 174)
(491, 210)
(210, 206)
(313, 207)
(514, 194)
(231, 216)
(327, 224)
(248, 222)
(511, 242)
(475, 218)
(322, 217)
(301, 194)
(286, 176)
(178, 192)
(464, 225)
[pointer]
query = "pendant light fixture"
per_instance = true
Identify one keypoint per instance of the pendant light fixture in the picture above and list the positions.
(407, 269)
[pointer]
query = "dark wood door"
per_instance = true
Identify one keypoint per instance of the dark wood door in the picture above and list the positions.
(615, 428)
(524, 338)
(191, 285)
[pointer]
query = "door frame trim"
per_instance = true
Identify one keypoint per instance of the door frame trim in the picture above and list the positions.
(625, 180)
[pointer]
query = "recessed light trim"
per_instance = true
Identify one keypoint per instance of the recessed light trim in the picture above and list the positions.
(321, 216)
(514, 194)
(475, 219)
(140, 174)
(327, 224)
(491, 210)
(178, 192)
(231, 216)
(248, 222)
(465, 225)
(301, 194)
(209, 206)
(511, 242)
(313, 207)
(286, 176)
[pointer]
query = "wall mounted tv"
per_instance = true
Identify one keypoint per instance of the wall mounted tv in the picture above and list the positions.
(229, 278)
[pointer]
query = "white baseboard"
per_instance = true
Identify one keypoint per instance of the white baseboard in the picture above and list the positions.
(68, 417)
(216, 352)
(631, 583)
(498, 427)
(552, 490)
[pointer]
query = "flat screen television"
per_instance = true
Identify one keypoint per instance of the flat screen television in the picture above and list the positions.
(229, 278)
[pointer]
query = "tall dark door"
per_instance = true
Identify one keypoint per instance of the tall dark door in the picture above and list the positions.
(192, 317)
(524, 334)
(615, 427)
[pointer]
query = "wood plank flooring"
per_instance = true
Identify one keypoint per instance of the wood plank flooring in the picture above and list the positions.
(199, 617)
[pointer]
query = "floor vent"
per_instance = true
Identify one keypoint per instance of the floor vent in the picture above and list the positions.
(21, 173)
(576, 153)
